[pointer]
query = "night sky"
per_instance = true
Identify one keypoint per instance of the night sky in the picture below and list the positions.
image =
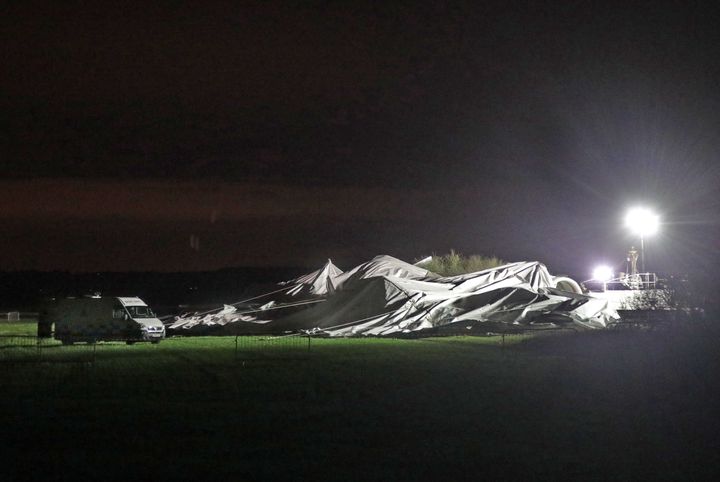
(175, 137)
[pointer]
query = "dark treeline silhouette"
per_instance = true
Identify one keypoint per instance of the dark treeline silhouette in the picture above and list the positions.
(167, 293)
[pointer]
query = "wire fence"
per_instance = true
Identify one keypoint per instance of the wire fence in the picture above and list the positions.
(16, 348)
(26, 348)
(659, 320)
(33, 349)
(292, 346)
(15, 316)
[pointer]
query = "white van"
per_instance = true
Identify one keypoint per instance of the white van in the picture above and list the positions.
(103, 319)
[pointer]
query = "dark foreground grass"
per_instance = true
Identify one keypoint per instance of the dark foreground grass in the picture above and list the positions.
(586, 406)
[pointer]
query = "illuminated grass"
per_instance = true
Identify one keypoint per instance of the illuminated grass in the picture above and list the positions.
(28, 327)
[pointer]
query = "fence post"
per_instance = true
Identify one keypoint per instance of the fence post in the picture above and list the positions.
(308, 342)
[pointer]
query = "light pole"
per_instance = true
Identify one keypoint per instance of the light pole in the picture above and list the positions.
(642, 222)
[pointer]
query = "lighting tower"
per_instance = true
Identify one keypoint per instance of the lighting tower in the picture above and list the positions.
(642, 222)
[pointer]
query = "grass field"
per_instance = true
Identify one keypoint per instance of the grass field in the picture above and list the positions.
(634, 405)
(28, 327)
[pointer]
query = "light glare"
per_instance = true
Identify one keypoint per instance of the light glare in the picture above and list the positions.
(602, 273)
(642, 221)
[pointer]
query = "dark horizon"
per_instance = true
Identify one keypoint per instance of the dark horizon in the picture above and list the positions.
(192, 138)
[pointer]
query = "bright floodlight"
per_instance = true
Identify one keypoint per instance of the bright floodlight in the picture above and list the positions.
(642, 221)
(602, 273)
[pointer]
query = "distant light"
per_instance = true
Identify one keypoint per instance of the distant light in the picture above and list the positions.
(603, 273)
(642, 221)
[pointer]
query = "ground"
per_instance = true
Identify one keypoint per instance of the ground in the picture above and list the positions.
(621, 405)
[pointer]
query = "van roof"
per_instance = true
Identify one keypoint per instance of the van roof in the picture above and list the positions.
(131, 301)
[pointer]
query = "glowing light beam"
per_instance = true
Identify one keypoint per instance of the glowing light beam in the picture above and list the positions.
(602, 273)
(642, 222)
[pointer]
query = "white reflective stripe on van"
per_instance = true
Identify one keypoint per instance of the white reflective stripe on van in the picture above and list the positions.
(132, 301)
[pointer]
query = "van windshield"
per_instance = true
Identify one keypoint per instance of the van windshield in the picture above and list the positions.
(140, 311)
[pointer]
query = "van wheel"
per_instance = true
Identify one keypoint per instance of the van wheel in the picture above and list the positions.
(130, 342)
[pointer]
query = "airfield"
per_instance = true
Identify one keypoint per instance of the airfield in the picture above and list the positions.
(621, 404)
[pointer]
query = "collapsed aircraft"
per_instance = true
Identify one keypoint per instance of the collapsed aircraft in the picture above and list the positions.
(389, 297)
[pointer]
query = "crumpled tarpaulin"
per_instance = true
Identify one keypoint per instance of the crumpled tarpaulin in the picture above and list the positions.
(321, 282)
(386, 296)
